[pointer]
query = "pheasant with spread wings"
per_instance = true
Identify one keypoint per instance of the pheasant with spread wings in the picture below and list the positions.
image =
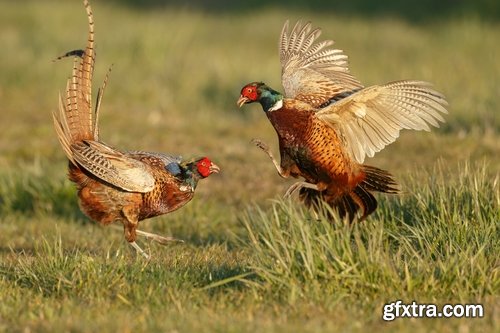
(115, 185)
(327, 122)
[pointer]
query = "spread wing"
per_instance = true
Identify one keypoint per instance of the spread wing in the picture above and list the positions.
(372, 118)
(113, 166)
(311, 71)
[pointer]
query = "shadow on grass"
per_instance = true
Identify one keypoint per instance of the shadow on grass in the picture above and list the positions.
(51, 270)
(212, 238)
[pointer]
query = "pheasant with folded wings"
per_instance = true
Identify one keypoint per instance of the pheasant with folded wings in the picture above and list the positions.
(116, 185)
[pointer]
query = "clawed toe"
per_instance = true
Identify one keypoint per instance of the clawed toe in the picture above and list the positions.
(291, 190)
(297, 186)
(265, 148)
(159, 239)
(139, 250)
(260, 144)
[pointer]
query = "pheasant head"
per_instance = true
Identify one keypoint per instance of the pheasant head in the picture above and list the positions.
(269, 98)
(194, 170)
(204, 167)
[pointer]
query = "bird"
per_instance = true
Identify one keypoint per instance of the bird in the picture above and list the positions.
(327, 122)
(115, 185)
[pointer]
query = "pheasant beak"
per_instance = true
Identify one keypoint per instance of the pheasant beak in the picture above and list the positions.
(242, 100)
(214, 168)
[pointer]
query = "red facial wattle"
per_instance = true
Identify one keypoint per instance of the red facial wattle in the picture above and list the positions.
(250, 92)
(203, 167)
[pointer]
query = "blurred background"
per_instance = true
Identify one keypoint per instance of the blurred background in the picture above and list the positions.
(422, 11)
(179, 67)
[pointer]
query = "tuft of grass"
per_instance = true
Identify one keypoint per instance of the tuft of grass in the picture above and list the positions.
(439, 242)
(32, 192)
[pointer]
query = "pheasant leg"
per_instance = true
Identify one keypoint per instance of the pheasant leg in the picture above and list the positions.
(139, 250)
(157, 238)
(299, 185)
(265, 148)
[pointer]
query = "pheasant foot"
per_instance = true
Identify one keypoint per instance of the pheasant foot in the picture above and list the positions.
(139, 250)
(299, 185)
(265, 148)
(157, 238)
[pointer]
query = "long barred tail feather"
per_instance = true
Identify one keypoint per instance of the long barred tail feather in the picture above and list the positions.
(100, 94)
(74, 122)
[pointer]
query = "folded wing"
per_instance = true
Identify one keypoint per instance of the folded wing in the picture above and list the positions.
(113, 166)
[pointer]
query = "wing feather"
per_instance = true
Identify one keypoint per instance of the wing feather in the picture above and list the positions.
(113, 166)
(370, 119)
(310, 70)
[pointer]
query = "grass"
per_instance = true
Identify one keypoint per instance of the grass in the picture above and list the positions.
(251, 261)
(284, 267)
(430, 244)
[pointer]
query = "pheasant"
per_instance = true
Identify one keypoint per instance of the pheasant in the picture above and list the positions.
(327, 122)
(115, 185)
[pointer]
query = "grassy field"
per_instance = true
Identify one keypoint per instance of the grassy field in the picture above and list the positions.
(251, 261)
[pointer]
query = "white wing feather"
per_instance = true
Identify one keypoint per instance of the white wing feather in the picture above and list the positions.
(372, 118)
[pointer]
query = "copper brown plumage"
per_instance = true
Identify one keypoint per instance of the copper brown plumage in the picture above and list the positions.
(327, 122)
(115, 185)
